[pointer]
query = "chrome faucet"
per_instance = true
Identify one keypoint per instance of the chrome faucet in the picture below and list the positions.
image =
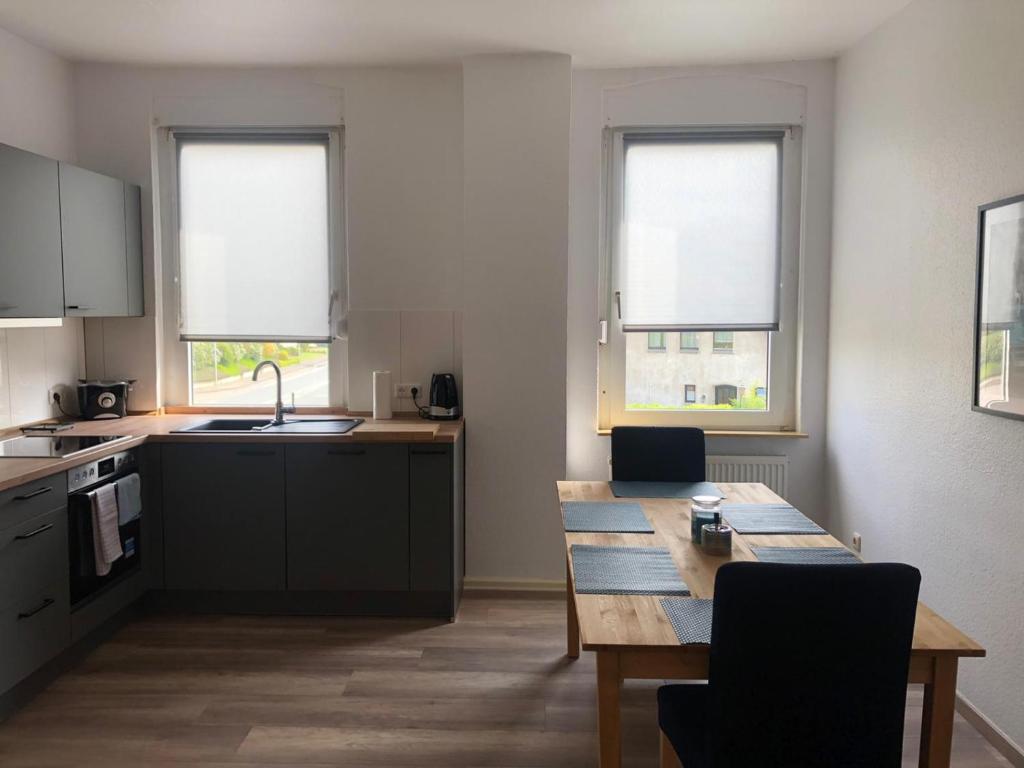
(280, 409)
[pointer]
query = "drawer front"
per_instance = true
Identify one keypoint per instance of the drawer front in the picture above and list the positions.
(33, 631)
(32, 499)
(33, 553)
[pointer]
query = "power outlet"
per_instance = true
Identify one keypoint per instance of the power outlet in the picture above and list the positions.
(856, 541)
(405, 390)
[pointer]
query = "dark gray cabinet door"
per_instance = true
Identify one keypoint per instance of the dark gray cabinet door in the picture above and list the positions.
(92, 217)
(430, 517)
(31, 280)
(348, 517)
(224, 517)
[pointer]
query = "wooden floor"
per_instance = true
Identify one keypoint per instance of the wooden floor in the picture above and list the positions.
(493, 689)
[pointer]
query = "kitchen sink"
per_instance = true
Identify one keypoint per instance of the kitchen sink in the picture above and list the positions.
(291, 426)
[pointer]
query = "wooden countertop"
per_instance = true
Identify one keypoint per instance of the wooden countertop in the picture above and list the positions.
(161, 429)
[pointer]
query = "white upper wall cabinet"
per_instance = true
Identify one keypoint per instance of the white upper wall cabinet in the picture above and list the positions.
(31, 282)
(95, 229)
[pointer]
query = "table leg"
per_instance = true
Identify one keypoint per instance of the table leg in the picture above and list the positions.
(937, 717)
(609, 725)
(572, 622)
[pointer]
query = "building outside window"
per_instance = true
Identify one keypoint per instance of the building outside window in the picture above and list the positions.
(725, 394)
(690, 393)
(656, 342)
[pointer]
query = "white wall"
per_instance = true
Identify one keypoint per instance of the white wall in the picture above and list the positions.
(516, 166)
(403, 134)
(929, 118)
(36, 114)
(723, 96)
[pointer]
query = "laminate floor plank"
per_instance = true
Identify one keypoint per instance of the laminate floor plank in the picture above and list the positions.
(491, 690)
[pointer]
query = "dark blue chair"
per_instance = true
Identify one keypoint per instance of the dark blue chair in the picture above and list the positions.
(808, 669)
(658, 454)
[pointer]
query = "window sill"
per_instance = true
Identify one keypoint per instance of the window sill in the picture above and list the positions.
(734, 433)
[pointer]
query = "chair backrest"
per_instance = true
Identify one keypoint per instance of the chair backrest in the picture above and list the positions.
(809, 664)
(658, 454)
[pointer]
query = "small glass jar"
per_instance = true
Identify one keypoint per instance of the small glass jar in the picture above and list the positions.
(702, 512)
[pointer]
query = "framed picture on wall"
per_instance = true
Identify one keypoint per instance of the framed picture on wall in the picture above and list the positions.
(999, 310)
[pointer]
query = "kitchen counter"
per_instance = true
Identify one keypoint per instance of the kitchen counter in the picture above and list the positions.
(160, 428)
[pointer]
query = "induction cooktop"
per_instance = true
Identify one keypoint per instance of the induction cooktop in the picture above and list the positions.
(55, 447)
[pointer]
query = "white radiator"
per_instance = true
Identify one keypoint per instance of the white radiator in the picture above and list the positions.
(770, 470)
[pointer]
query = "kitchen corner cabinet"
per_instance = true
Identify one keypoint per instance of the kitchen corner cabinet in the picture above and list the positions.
(224, 517)
(101, 244)
(31, 278)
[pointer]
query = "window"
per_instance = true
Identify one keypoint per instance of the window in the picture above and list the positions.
(258, 271)
(725, 394)
(702, 239)
(723, 341)
(656, 342)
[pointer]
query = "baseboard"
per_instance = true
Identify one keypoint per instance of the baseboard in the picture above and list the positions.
(539, 586)
(991, 732)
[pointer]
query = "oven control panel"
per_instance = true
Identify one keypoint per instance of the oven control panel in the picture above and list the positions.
(102, 469)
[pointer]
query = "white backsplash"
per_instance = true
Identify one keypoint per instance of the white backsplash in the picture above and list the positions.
(411, 344)
(33, 361)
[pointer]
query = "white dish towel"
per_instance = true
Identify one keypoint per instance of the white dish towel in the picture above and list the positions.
(106, 541)
(129, 498)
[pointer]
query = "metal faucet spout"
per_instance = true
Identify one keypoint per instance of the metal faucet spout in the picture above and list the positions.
(279, 406)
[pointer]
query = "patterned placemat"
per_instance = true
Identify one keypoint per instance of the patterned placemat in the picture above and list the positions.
(641, 489)
(769, 518)
(625, 571)
(805, 555)
(691, 619)
(605, 517)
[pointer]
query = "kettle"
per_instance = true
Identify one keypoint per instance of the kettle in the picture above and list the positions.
(444, 397)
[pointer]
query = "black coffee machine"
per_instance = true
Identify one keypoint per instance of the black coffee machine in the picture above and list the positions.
(444, 398)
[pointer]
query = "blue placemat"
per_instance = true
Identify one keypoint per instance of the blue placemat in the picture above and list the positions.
(691, 619)
(605, 517)
(806, 555)
(625, 571)
(768, 519)
(641, 489)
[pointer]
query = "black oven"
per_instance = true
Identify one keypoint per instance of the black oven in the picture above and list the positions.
(85, 583)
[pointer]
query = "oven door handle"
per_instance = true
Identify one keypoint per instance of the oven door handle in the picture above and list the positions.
(36, 532)
(33, 494)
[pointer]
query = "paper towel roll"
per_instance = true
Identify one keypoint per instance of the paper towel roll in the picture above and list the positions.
(382, 394)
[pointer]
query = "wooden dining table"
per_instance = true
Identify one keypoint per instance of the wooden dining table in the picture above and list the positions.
(633, 637)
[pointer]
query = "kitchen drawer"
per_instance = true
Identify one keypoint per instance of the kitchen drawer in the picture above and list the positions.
(33, 499)
(33, 553)
(33, 630)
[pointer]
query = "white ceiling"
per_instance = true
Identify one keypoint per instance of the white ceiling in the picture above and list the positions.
(598, 33)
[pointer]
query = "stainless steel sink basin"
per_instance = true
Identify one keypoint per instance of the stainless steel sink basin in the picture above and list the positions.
(264, 425)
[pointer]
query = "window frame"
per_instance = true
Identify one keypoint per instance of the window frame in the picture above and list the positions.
(688, 390)
(723, 348)
(782, 411)
(696, 343)
(176, 378)
(663, 347)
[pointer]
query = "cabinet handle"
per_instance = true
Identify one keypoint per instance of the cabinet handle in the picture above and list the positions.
(255, 452)
(346, 452)
(37, 492)
(428, 452)
(46, 604)
(78, 306)
(36, 532)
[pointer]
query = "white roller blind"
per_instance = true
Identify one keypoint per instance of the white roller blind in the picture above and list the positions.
(700, 231)
(254, 237)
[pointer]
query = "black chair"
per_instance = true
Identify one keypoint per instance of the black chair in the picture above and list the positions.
(808, 669)
(658, 454)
